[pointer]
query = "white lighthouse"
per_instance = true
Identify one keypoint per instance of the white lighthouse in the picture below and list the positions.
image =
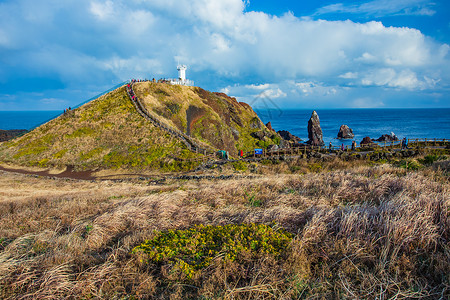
(182, 72)
(181, 80)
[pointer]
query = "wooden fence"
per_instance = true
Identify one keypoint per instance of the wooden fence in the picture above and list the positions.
(305, 149)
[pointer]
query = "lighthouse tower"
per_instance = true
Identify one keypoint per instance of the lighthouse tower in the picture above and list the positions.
(182, 72)
(181, 80)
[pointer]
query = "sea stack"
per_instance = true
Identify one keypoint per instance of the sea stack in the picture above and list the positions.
(345, 132)
(315, 135)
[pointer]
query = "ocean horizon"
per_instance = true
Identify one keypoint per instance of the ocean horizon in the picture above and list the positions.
(404, 122)
(373, 122)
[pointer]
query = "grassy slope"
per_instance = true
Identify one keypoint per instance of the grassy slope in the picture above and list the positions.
(218, 120)
(359, 233)
(109, 133)
(105, 133)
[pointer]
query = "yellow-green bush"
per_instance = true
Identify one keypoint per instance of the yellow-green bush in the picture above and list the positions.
(240, 165)
(190, 250)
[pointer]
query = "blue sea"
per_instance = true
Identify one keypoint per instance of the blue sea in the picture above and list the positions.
(410, 123)
(25, 119)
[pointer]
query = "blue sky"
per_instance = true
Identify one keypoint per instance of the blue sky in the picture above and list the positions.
(299, 54)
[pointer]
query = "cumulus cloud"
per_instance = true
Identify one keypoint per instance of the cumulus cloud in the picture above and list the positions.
(103, 41)
(405, 79)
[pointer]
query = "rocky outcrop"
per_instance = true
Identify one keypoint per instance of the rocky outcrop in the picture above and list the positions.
(273, 147)
(315, 135)
(286, 135)
(366, 141)
(6, 135)
(256, 123)
(345, 132)
(269, 126)
(261, 135)
(387, 138)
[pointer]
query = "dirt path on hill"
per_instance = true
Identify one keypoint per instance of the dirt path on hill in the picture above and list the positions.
(68, 173)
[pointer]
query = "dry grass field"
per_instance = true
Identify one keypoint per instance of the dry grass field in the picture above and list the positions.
(367, 232)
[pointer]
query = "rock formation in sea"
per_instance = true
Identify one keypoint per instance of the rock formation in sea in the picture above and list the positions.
(345, 132)
(366, 141)
(387, 138)
(315, 135)
(286, 135)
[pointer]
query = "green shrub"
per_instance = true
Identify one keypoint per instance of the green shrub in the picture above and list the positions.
(315, 167)
(84, 131)
(240, 165)
(36, 146)
(90, 154)
(60, 154)
(431, 158)
(188, 251)
(409, 165)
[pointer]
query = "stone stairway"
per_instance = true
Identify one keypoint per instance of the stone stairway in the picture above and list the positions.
(185, 139)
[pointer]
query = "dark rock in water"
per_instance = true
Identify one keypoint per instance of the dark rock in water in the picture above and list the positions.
(345, 132)
(286, 135)
(269, 126)
(387, 138)
(6, 135)
(366, 141)
(315, 135)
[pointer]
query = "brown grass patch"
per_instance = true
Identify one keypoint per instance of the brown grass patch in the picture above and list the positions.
(364, 232)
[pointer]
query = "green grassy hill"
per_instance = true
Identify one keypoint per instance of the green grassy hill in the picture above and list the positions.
(108, 133)
(214, 118)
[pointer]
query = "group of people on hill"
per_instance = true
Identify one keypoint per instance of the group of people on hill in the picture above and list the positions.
(67, 110)
(130, 89)
(144, 80)
(162, 80)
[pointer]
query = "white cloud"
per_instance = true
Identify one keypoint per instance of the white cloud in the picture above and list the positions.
(77, 42)
(102, 10)
(274, 93)
(349, 75)
(405, 79)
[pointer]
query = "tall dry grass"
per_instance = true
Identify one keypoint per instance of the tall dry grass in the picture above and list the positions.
(366, 232)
